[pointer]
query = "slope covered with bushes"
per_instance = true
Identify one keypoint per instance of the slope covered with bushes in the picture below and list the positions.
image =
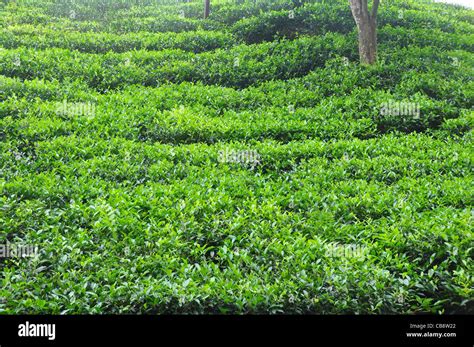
(245, 163)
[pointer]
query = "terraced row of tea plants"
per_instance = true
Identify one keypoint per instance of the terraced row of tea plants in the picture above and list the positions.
(246, 163)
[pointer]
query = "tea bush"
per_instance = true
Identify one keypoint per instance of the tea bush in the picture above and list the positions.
(344, 188)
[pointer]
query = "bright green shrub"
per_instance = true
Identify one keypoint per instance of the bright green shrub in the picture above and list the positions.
(113, 126)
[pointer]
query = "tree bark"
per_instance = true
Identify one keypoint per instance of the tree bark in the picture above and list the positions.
(207, 7)
(367, 27)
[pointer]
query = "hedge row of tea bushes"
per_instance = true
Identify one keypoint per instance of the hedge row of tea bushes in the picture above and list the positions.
(92, 42)
(169, 23)
(239, 66)
(322, 19)
(250, 22)
(113, 126)
(199, 41)
(437, 76)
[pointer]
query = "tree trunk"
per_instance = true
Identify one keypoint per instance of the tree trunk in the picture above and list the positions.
(367, 27)
(368, 43)
(207, 6)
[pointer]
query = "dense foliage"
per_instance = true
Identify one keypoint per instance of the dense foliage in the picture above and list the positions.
(245, 163)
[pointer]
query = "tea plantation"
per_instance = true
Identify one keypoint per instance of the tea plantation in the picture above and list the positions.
(160, 162)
